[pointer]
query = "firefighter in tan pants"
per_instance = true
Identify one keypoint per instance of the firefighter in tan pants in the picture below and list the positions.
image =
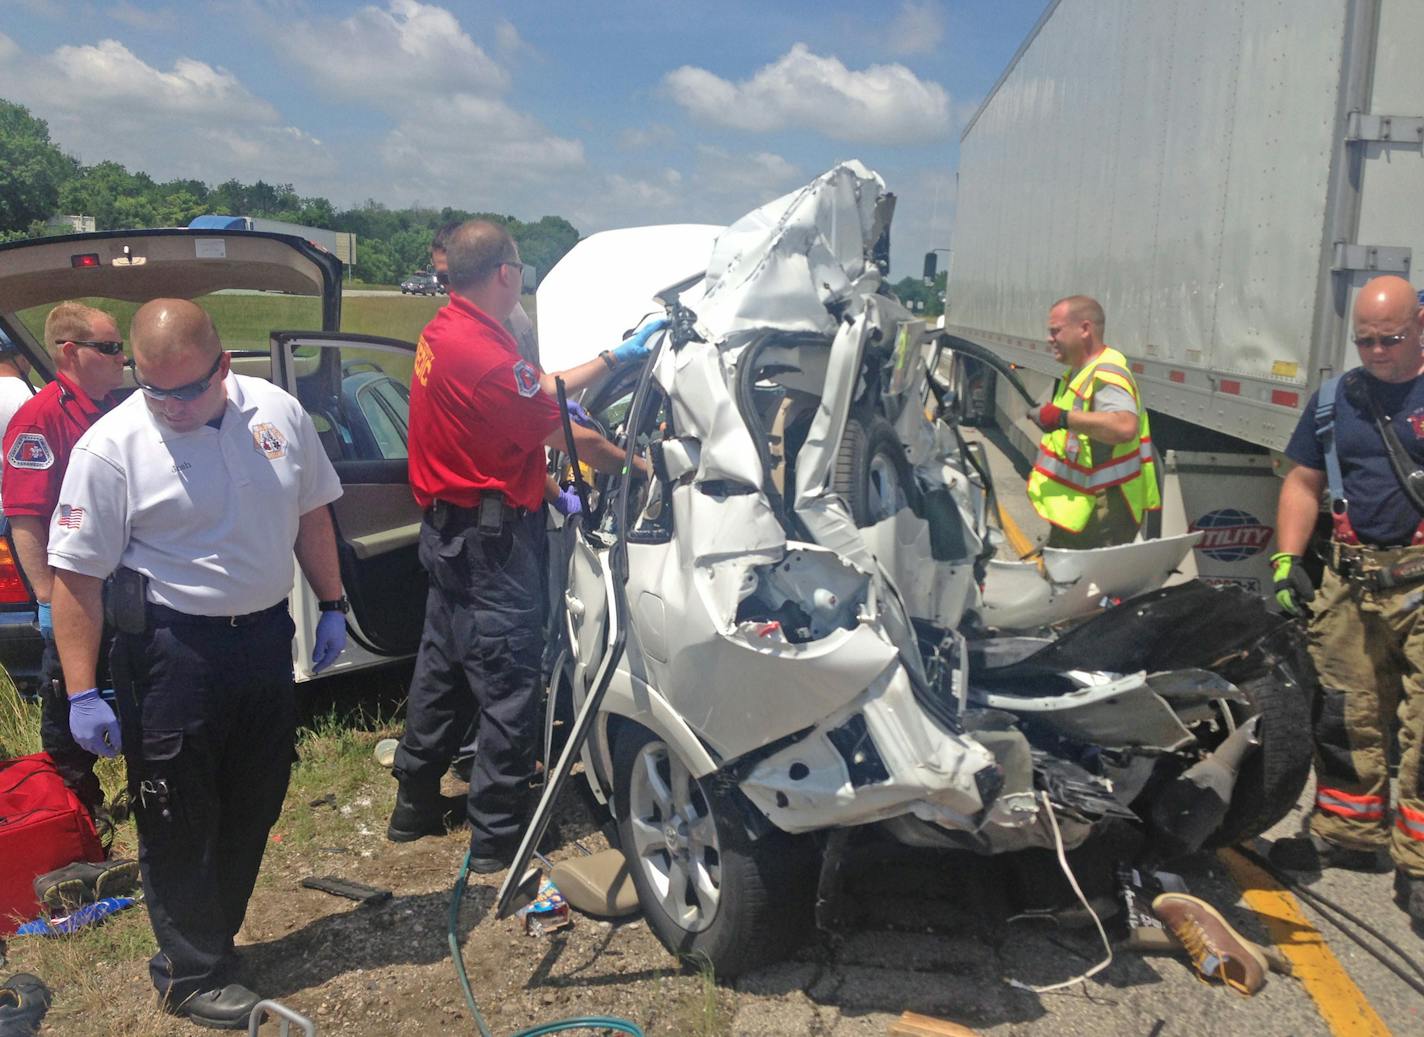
(1367, 631)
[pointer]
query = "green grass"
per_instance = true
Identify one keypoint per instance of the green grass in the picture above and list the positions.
(247, 321)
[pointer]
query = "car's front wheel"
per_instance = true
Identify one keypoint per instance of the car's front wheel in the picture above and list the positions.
(713, 895)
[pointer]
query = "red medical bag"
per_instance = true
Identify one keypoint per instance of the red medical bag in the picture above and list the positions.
(43, 826)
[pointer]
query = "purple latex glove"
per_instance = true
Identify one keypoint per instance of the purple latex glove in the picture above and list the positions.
(93, 724)
(330, 640)
(567, 503)
(578, 414)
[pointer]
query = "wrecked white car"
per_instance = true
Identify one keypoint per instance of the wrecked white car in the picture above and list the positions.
(794, 626)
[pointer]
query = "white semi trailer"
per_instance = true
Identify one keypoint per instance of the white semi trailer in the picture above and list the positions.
(1222, 175)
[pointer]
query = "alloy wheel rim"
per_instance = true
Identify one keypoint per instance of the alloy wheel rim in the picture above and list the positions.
(675, 837)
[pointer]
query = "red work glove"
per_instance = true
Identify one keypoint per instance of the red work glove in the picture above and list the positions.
(1049, 417)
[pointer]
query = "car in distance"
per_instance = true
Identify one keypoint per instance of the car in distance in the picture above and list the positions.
(422, 283)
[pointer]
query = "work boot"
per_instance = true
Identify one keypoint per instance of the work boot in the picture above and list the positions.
(24, 1000)
(1311, 853)
(1409, 894)
(421, 810)
(1217, 950)
(84, 882)
(227, 1008)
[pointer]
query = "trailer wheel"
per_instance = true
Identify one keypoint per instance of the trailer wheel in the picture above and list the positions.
(1272, 777)
(871, 472)
(714, 896)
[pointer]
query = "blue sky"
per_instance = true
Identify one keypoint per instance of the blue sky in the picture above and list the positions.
(609, 114)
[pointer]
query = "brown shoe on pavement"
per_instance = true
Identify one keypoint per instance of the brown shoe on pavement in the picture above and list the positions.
(1216, 949)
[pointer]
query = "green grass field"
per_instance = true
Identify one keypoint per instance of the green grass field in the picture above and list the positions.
(246, 321)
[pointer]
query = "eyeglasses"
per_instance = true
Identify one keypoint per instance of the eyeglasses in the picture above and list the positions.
(518, 266)
(1387, 341)
(107, 348)
(182, 393)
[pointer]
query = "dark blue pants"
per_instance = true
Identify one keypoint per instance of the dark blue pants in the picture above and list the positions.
(482, 641)
(208, 717)
(75, 765)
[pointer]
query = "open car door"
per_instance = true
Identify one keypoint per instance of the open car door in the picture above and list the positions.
(356, 388)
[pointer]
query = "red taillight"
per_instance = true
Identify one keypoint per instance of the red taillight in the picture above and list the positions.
(85, 259)
(12, 585)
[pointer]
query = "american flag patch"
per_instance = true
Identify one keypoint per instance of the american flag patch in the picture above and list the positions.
(70, 517)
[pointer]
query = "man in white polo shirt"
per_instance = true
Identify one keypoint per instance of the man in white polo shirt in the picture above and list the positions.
(197, 490)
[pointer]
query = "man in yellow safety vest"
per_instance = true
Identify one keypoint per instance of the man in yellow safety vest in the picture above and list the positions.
(1093, 478)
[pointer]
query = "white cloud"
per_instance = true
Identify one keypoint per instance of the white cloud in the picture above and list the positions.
(918, 28)
(102, 101)
(476, 144)
(640, 138)
(744, 179)
(407, 52)
(141, 18)
(882, 104)
(507, 38)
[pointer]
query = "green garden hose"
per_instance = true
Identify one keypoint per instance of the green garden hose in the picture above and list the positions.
(606, 1023)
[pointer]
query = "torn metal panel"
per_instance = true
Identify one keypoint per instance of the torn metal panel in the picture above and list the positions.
(788, 264)
(826, 516)
(1112, 712)
(808, 785)
(936, 592)
(1021, 596)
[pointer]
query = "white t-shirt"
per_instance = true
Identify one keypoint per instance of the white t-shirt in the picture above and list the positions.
(14, 394)
(209, 516)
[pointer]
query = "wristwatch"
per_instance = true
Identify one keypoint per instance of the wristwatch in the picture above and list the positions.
(335, 605)
(607, 357)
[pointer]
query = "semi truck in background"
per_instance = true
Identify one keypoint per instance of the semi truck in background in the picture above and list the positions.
(341, 244)
(1223, 177)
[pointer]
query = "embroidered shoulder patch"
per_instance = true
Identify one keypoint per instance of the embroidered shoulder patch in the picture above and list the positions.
(71, 516)
(30, 450)
(268, 438)
(526, 378)
(1416, 422)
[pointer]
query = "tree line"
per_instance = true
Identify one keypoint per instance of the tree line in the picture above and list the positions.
(38, 181)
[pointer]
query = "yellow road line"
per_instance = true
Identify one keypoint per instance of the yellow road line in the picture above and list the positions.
(1341, 1004)
(1021, 544)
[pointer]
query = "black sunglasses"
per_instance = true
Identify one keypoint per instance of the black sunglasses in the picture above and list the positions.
(183, 393)
(107, 348)
(1387, 341)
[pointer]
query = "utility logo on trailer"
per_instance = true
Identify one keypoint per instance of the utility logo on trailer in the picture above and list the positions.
(1231, 535)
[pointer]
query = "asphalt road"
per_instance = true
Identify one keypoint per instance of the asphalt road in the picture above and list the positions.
(935, 934)
(1349, 988)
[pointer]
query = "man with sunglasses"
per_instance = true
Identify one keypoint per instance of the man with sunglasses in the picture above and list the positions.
(1367, 627)
(89, 365)
(481, 416)
(196, 492)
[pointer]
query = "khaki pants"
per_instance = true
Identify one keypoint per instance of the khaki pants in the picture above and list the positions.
(1368, 648)
(1110, 524)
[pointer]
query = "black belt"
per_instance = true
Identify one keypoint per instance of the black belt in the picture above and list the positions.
(1376, 568)
(162, 615)
(442, 513)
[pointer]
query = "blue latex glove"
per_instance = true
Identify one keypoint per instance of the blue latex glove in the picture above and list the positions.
(330, 640)
(635, 347)
(567, 503)
(577, 413)
(46, 619)
(93, 724)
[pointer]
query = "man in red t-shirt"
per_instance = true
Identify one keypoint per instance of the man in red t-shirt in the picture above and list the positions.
(480, 418)
(89, 364)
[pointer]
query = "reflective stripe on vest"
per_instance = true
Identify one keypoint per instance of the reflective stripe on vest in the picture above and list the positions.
(1410, 822)
(1065, 481)
(1351, 807)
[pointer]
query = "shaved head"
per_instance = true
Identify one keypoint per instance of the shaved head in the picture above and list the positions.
(1387, 297)
(169, 329)
(1388, 323)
